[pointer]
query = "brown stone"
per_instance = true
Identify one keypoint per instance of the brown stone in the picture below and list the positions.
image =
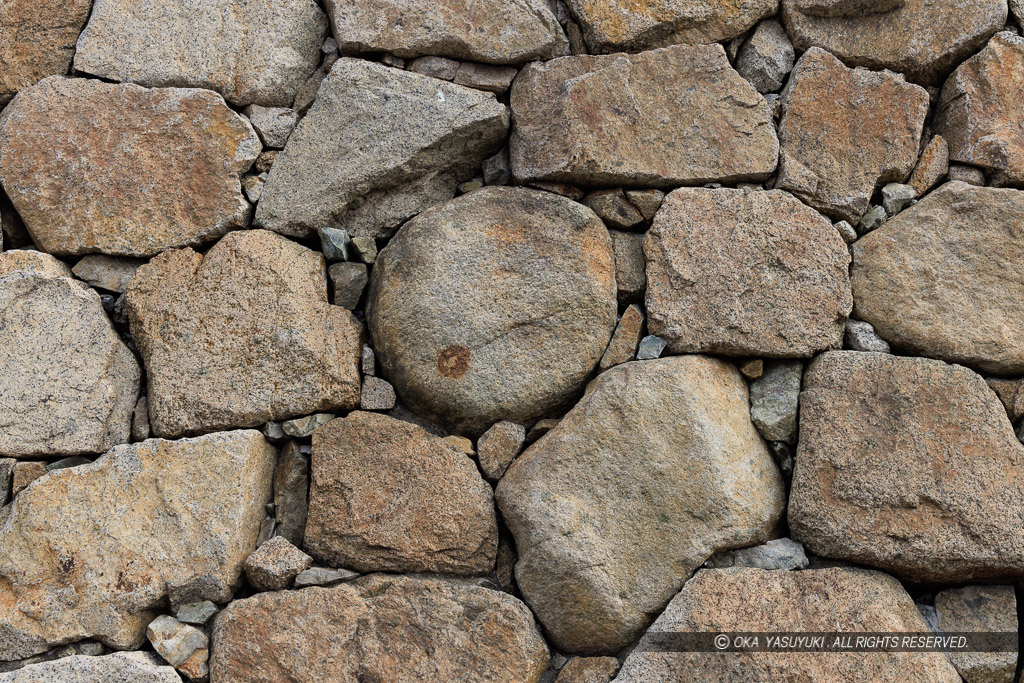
(931, 167)
(498, 447)
(388, 496)
(980, 609)
(378, 628)
(845, 132)
(275, 564)
(37, 39)
(614, 209)
(588, 670)
(745, 273)
(112, 273)
(662, 118)
(625, 340)
(25, 472)
(908, 465)
(118, 169)
(980, 110)
(754, 600)
(241, 335)
(944, 278)
(630, 266)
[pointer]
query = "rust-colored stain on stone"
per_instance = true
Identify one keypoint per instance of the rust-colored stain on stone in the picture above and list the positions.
(454, 361)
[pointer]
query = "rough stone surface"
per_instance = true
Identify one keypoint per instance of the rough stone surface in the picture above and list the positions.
(69, 382)
(624, 26)
(378, 394)
(630, 266)
(195, 612)
(653, 471)
(861, 336)
(7, 474)
(625, 340)
(384, 628)
(378, 146)
(388, 496)
(615, 120)
(745, 273)
(1011, 393)
(241, 335)
(348, 281)
(291, 492)
(943, 278)
(323, 576)
(845, 132)
(498, 447)
(303, 427)
(752, 600)
(977, 609)
(251, 51)
(931, 167)
(80, 563)
(966, 174)
(980, 109)
(495, 79)
(767, 57)
(24, 473)
(896, 197)
(120, 667)
(908, 465)
(112, 273)
(922, 38)
(183, 646)
(273, 124)
(274, 565)
(774, 399)
(781, 553)
(525, 315)
(490, 31)
(614, 209)
(588, 670)
(119, 169)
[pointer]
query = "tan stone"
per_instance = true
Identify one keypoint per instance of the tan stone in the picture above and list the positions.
(931, 167)
(91, 551)
(241, 335)
(845, 132)
(25, 472)
(274, 565)
(1011, 393)
(908, 465)
(745, 273)
(980, 609)
(615, 120)
(588, 670)
(980, 110)
(754, 600)
(133, 667)
(388, 496)
(380, 628)
(119, 169)
(32, 262)
(654, 470)
(630, 267)
(112, 273)
(625, 340)
(498, 447)
(944, 278)
(37, 39)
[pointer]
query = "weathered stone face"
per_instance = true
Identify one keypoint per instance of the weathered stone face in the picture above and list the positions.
(119, 169)
(378, 146)
(136, 667)
(69, 382)
(823, 600)
(745, 273)
(980, 110)
(980, 609)
(241, 336)
(388, 496)
(257, 51)
(845, 132)
(78, 561)
(920, 38)
(494, 306)
(909, 465)
(944, 278)
(380, 627)
(653, 471)
(491, 31)
(678, 115)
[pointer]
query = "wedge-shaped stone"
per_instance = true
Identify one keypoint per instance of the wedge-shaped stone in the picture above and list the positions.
(654, 470)
(92, 551)
(378, 146)
(945, 279)
(494, 306)
(69, 383)
(255, 51)
(754, 600)
(492, 31)
(37, 39)
(379, 628)
(845, 132)
(119, 169)
(909, 465)
(241, 336)
(745, 273)
(120, 667)
(679, 115)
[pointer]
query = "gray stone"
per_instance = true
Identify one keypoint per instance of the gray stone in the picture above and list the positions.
(334, 244)
(646, 201)
(436, 67)
(302, 427)
(272, 124)
(272, 431)
(378, 394)
(348, 281)
(274, 565)
(369, 361)
(861, 336)
(630, 265)
(498, 447)
(896, 197)
(377, 147)
(183, 646)
(495, 79)
(497, 170)
(112, 273)
(195, 612)
(65, 463)
(365, 248)
(767, 57)
(782, 553)
(651, 347)
(774, 398)
(980, 609)
(140, 420)
(323, 576)
(614, 209)
(252, 186)
(291, 492)
(846, 230)
(872, 220)
(120, 667)
(6, 474)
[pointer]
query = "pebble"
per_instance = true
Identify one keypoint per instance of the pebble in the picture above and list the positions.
(291, 491)
(6, 473)
(112, 273)
(323, 576)
(301, 427)
(65, 463)
(334, 244)
(931, 167)
(861, 336)
(780, 554)
(752, 369)
(368, 361)
(541, 427)
(378, 394)
(183, 646)
(272, 124)
(614, 209)
(470, 185)
(872, 220)
(489, 77)
(140, 420)
(647, 202)
(651, 347)
(461, 444)
(497, 170)
(498, 447)
(896, 197)
(625, 340)
(365, 248)
(774, 400)
(348, 280)
(767, 57)
(275, 564)
(273, 431)
(630, 265)
(846, 230)
(197, 613)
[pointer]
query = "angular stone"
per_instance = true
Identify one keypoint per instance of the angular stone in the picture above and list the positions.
(896, 197)
(588, 670)
(498, 447)
(845, 132)
(614, 209)
(495, 79)
(435, 67)
(69, 382)
(77, 562)
(527, 311)
(133, 667)
(647, 201)
(767, 57)
(615, 120)
(322, 576)
(980, 109)
(184, 647)
(273, 124)
(752, 369)
(112, 273)
(291, 492)
(846, 231)
(943, 279)
(37, 39)
(378, 146)
(623, 26)
(258, 51)
(642, 479)
(195, 612)
(388, 496)
(378, 394)
(241, 335)
(745, 273)
(921, 38)
(24, 473)
(303, 427)
(931, 167)
(752, 600)
(7, 474)
(979, 609)
(782, 553)
(625, 340)
(630, 266)
(140, 420)
(274, 565)
(365, 249)
(651, 347)
(1011, 393)
(924, 488)
(491, 31)
(774, 398)
(861, 336)
(348, 281)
